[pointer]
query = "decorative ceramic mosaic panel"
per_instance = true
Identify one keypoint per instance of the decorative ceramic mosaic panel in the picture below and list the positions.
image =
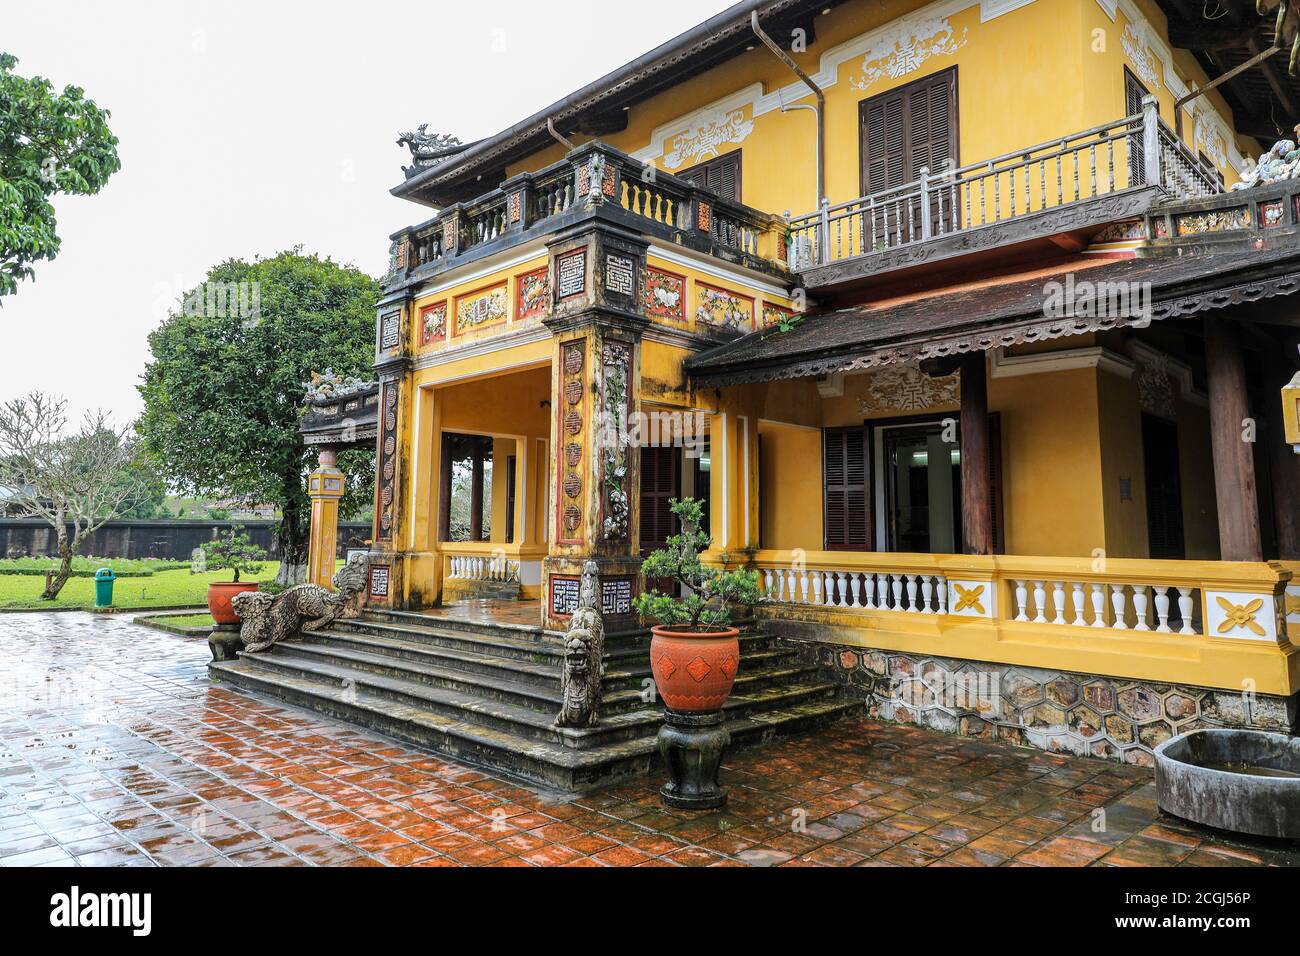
(1219, 220)
(665, 295)
(722, 309)
(572, 438)
(534, 294)
(482, 309)
(433, 323)
(775, 315)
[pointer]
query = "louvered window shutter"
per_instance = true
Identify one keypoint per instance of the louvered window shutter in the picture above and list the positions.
(658, 486)
(720, 175)
(1134, 91)
(846, 507)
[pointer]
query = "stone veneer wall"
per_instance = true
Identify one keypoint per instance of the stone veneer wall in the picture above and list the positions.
(1082, 714)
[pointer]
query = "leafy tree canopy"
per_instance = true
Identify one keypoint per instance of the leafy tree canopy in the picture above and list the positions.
(223, 390)
(49, 143)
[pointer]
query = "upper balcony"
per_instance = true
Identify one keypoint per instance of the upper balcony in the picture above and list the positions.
(639, 197)
(1055, 195)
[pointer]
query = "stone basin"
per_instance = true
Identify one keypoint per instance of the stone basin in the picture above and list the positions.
(1247, 781)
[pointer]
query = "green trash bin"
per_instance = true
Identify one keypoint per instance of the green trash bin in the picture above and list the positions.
(104, 579)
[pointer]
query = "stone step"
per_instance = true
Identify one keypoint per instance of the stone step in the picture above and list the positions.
(512, 641)
(463, 736)
(525, 721)
(522, 690)
(544, 669)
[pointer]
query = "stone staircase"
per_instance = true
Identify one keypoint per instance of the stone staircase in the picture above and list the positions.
(488, 693)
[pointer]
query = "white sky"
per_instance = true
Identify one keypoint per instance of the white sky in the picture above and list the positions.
(247, 128)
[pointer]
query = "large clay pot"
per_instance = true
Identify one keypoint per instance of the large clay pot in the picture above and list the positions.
(694, 671)
(219, 595)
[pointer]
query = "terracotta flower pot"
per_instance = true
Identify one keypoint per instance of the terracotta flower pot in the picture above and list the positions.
(694, 671)
(219, 595)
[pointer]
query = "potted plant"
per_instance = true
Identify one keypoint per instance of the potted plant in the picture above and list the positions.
(232, 552)
(694, 651)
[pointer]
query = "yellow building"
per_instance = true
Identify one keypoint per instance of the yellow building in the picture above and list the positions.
(941, 307)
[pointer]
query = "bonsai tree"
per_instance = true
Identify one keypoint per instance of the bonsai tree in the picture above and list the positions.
(233, 551)
(708, 590)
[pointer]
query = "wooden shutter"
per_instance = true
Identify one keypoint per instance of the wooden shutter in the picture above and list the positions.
(997, 510)
(659, 472)
(905, 129)
(1134, 91)
(720, 175)
(846, 489)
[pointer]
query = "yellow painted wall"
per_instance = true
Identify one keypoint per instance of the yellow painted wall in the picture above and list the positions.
(1120, 421)
(1027, 76)
(790, 460)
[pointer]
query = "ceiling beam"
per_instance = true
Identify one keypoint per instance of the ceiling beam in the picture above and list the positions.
(1274, 79)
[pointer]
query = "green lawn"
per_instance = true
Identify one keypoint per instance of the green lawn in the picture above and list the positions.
(83, 565)
(162, 589)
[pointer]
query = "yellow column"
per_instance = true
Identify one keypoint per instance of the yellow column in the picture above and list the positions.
(325, 488)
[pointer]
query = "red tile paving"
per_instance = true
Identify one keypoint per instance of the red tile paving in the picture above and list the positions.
(116, 750)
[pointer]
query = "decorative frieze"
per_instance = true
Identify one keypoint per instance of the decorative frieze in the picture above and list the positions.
(433, 323)
(571, 274)
(616, 372)
(906, 388)
(570, 508)
(386, 491)
(905, 47)
(706, 135)
(534, 294)
(620, 274)
(482, 309)
(722, 309)
(664, 296)
(1216, 220)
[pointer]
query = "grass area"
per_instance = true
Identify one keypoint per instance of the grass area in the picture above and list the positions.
(189, 620)
(162, 589)
(83, 565)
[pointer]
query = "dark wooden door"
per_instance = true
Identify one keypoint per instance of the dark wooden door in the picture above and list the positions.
(902, 131)
(1164, 488)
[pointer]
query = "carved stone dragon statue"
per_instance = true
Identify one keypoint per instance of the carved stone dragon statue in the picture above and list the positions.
(584, 656)
(268, 618)
(429, 149)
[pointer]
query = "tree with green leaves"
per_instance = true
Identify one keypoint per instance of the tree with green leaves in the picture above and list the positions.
(233, 551)
(75, 481)
(709, 591)
(50, 143)
(223, 390)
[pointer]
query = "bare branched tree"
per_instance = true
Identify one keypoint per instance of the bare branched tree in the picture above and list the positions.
(76, 481)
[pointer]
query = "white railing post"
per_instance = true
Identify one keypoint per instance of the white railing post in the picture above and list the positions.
(924, 173)
(824, 232)
(1151, 141)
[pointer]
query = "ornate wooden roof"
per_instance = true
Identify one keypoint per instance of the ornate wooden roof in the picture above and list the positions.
(983, 317)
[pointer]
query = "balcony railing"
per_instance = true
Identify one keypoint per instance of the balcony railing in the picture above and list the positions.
(1134, 151)
(1185, 599)
(657, 203)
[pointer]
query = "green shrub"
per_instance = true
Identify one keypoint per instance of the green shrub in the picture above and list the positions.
(233, 551)
(709, 590)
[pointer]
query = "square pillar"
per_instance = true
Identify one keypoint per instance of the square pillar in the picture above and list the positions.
(597, 273)
(324, 487)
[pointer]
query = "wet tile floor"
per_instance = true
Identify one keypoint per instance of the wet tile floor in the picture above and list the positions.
(116, 750)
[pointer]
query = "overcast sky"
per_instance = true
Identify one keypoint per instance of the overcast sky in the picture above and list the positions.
(251, 127)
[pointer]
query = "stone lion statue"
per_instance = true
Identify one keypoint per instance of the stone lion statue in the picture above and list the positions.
(268, 618)
(584, 655)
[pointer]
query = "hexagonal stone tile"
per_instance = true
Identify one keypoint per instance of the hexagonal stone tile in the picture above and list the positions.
(876, 662)
(932, 671)
(1103, 748)
(1179, 707)
(1100, 695)
(848, 660)
(1022, 691)
(1085, 722)
(1139, 757)
(1155, 733)
(974, 727)
(1062, 691)
(1119, 729)
(902, 665)
(1139, 703)
(1067, 744)
(1044, 715)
